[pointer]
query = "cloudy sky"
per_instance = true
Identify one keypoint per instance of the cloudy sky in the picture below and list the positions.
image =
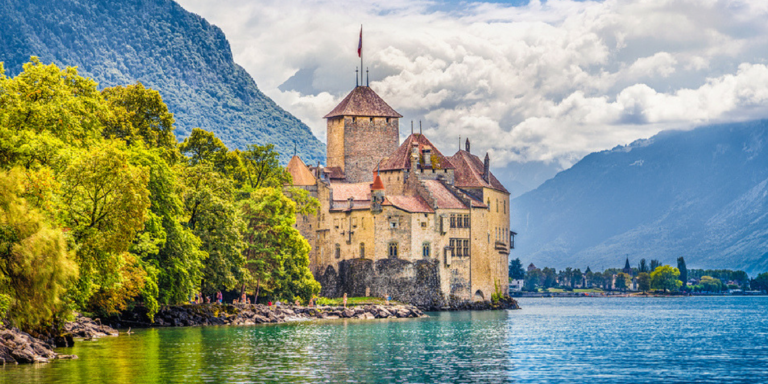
(538, 84)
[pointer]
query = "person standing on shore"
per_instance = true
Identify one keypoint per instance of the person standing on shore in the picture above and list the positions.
(345, 300)
(219, 297)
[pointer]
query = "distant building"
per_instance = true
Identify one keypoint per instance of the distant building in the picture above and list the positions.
(402, 220)
(516, 285)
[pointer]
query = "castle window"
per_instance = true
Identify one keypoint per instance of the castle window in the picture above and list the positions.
(393, 250)
(497, 205)
(362, 250)
(505, 206)
(466, 247)
(453, 220)
(394, 223)
(336, 223)
(387, 120)
(459, 221)
(489, 204)
(338, 251)
(466, 221)
(423, 224)
(453, 247)
(425, 250)
(354, 222)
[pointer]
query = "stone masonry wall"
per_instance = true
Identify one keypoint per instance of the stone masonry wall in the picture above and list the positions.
(366, 140)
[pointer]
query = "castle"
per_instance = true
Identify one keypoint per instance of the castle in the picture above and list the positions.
(402, 220)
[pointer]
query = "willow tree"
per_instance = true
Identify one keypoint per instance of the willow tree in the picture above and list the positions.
(35, 264)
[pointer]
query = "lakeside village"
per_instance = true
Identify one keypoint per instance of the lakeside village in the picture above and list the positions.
(645, 279)
(106, 219)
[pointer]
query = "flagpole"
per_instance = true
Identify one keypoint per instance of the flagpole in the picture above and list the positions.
(361, 54)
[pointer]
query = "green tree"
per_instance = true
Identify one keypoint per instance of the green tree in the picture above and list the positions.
(683, 271)
(655, 264)
(262, 167)
(214, 218)
(139, 114)
(644, 281)
(760, 282)
(533, 279)
(549, 277)
(516, 271)
(643, 267)
(35, 265)
(275, 252)
(623, 281)
(44, 110)
(665, 278)
(711, 284)
(106, 200)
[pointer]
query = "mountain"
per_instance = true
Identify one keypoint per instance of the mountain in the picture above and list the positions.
(700, 194)
(161, 45)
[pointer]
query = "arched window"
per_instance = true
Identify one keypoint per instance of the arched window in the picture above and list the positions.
(338, 251)
(393, 250)
(362, 250)
(425, 250)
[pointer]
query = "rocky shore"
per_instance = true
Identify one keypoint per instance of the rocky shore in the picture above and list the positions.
(229, 314)
(17, 347)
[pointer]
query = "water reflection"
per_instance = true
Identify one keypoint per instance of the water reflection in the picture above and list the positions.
(555, 340)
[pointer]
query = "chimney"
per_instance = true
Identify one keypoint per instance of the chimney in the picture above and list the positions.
(427, 157)
(414, 157)
(487, 168)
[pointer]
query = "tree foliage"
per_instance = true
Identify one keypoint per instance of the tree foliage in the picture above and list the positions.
(666, 278)
(516, 271)
(99, 207)
(35, 263)
(644, 281)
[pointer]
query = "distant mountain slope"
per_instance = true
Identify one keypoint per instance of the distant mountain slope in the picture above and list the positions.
(166, 48)
(701, 194)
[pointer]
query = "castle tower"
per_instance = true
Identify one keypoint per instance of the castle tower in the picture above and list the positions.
(361, 129)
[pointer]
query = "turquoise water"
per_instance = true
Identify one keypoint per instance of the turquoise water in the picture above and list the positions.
(594, 340)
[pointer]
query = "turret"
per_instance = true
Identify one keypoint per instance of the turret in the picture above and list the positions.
(487, 168)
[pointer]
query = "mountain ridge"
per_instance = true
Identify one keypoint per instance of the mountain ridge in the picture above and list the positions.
(700, 194)
(163, 46)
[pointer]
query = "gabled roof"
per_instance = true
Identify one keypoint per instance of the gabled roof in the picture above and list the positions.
(300, 172)
(401, 158)
(356, 191)
(413, 204)
(468, 172)
(443, 197)
(363, 101)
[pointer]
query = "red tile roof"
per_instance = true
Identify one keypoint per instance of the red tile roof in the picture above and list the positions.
(334, 172)
(443, 197)
(469, 172)
(401, 158)
(377, 184)
(300, 172)
(363, 101)
(357, 191)
(413, 204)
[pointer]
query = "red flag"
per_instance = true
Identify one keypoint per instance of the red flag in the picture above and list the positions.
(360, 44)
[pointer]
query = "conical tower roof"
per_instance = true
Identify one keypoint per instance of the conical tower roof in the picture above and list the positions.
(300, 172)
(363, 101)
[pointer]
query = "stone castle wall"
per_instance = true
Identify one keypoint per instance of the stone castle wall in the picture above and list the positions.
(366, 140)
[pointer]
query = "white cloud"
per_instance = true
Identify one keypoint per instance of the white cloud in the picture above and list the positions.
(550, 81)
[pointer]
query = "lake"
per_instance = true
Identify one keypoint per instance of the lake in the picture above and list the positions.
(595, 340)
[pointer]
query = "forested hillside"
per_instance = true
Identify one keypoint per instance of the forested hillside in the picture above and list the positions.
(161, 45)
(701, 194)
